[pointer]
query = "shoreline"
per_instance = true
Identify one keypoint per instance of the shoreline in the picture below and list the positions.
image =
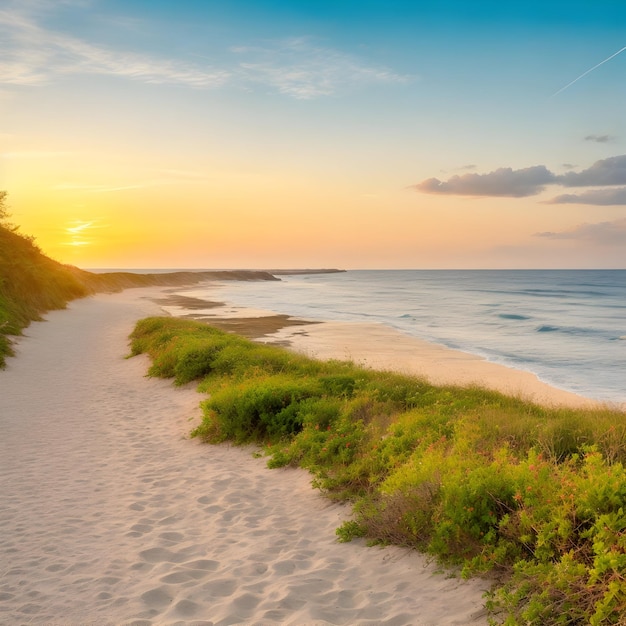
(380, 347)
(114, 516)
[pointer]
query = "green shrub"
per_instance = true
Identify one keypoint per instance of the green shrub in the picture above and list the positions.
(259, 409)
(536, 495)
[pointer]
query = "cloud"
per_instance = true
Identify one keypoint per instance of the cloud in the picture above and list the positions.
(300, 68)
(77, 232)
(601, 233)
(599, 138)
(79, 227)
(530, 181)
(611, 171)
(33, 55)
(501, 182)
(598, 197)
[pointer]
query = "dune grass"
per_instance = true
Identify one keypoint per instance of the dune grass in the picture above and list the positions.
(534, 496)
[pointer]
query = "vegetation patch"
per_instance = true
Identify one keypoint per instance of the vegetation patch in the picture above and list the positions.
(535, 497)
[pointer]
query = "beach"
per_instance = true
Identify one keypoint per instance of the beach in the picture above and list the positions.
(378, 347)
(110, 514)
(565, 327)
(382, 348)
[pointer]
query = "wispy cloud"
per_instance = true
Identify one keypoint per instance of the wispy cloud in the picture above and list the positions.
(601, 233)
(33, 55)
(78, 232)
(79, 227)
(530, 181)
(300, 68)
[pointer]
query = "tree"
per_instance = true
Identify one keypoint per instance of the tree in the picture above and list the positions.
(4, 214)
(6, 225)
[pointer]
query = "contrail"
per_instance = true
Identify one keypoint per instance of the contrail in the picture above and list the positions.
(556, 93)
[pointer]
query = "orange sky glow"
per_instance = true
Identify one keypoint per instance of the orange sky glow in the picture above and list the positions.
(146, 136)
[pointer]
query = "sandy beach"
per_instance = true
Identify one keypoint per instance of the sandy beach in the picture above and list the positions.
(379, 347)
(111, 515)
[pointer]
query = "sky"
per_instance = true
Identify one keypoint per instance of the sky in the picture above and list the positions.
(316, 133)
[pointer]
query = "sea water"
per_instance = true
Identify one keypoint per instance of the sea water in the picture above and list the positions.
(566, 326)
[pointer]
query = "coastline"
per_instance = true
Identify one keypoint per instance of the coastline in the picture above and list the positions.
(114, 516)
(382, 348)
(378, 347)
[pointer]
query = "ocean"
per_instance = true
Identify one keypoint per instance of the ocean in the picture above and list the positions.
(566, 326)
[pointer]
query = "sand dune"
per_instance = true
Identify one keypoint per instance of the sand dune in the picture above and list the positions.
(110, 515)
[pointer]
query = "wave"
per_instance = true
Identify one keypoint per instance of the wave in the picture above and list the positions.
(574, 330)
(546, 293)
(513, 316)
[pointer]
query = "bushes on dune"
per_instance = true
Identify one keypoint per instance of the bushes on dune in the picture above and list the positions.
(534, 495)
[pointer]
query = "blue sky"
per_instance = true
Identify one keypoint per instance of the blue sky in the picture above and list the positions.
(357, 134)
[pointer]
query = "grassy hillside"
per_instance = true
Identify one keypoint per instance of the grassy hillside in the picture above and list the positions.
(30, 284)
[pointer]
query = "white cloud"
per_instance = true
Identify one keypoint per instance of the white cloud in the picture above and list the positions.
(34, 55)
(299, 68)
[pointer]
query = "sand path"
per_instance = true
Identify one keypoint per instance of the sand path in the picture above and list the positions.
(110, 515)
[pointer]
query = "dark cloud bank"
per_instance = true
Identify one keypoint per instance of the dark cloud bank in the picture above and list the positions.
(530, 181)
